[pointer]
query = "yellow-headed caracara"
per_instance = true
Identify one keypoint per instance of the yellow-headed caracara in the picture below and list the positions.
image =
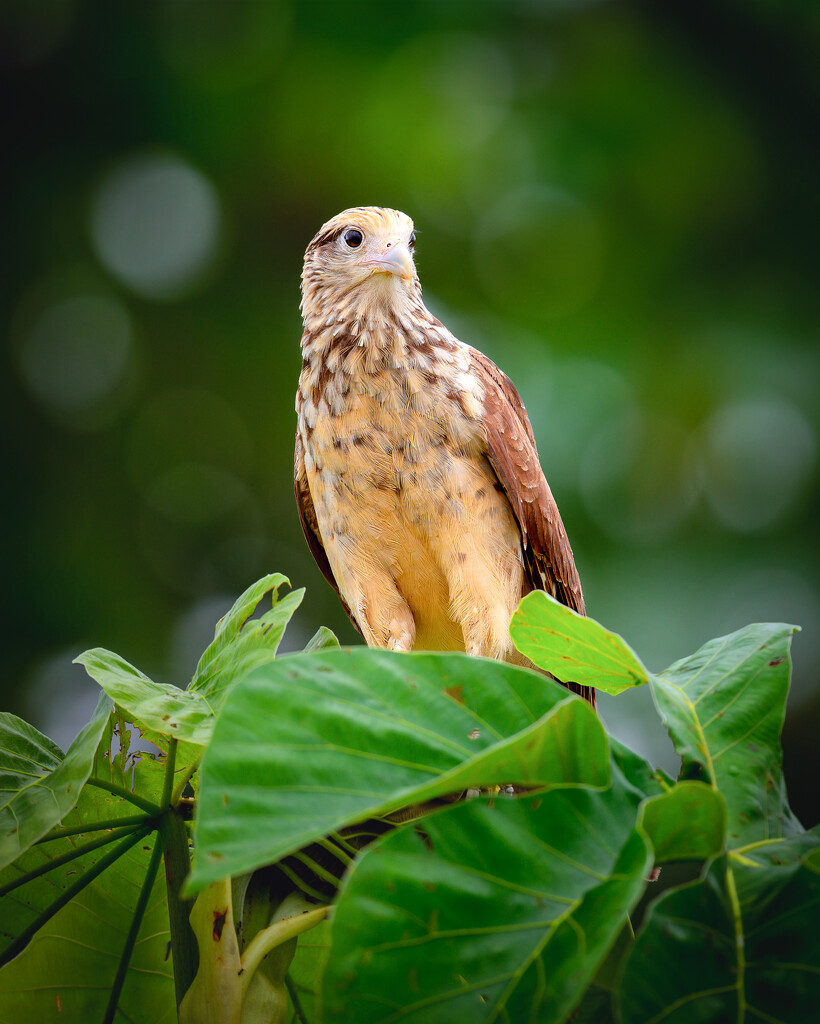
(417, 477)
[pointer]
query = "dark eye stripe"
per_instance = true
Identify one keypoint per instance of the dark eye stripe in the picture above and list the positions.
(325, 239)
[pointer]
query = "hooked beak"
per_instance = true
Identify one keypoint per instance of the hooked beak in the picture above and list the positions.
(395, 260)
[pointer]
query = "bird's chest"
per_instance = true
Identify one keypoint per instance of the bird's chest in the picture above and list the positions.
(401, 433)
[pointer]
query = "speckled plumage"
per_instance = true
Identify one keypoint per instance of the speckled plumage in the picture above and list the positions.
(417, 477)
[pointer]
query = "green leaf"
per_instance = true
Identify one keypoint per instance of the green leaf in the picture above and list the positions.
(573, 647)
(739, 945)
(311, 743)
(240, 643)
(724, 708)
(640, 773)
(322, 639)
(687, 823)
(501, 911)
(307, 968)
(66, 971)
(38, 785)
(160, 707)
(188, 715)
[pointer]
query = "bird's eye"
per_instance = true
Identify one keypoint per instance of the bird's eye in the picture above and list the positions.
(354, 238)
(412, 241)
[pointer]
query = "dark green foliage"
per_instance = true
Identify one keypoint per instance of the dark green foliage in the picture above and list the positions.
(424, 837)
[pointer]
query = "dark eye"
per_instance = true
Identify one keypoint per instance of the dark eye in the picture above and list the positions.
(354, 238)
(412, 241)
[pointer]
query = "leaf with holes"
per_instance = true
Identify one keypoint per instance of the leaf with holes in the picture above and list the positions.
(238, 646)
(241, 643)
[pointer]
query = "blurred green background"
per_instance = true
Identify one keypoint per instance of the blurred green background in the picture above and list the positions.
(618, 202)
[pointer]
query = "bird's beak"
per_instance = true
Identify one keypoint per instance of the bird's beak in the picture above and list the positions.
(395, 260)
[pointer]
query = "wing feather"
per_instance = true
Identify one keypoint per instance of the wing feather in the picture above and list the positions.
(548, 561)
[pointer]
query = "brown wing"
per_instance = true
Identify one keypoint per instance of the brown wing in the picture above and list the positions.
(548, 561)
(310, 525)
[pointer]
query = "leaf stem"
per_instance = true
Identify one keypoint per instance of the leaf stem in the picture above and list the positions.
(133, 931)
(177, 866)
(168, 781)
(737, 920)
(317, 869)
(300, 883)
(68, 894)
(338, 851)
(126, 794)
(96, 826)
(274, 935)
(182, 782)
(66, 858)
(298, 1012)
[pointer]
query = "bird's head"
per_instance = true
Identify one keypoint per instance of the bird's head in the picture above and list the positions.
(360, 260)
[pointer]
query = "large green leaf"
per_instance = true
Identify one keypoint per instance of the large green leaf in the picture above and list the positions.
(38, 786)
(687, 823)
(67, 970)
(311, 743)
(574, 647)
(188, 715)
(724, 708)
(501, 911)
(739, 945)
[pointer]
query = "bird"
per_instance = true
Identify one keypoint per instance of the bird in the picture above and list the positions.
(417, 479)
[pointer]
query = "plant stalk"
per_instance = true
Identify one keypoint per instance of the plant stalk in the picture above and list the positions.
(298, 1012)
(274, 935)
(133, 931)
(177, 866)
(168, 781)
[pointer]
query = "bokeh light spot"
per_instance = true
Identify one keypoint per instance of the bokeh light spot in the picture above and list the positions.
(155, 225)
(76, 353)
(758, 455)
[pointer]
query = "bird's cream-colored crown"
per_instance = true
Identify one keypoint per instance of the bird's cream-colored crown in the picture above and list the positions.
(361, 258)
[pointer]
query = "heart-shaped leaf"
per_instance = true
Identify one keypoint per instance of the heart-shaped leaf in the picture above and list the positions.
(724, 708)
(501, 911)
(311, 743)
